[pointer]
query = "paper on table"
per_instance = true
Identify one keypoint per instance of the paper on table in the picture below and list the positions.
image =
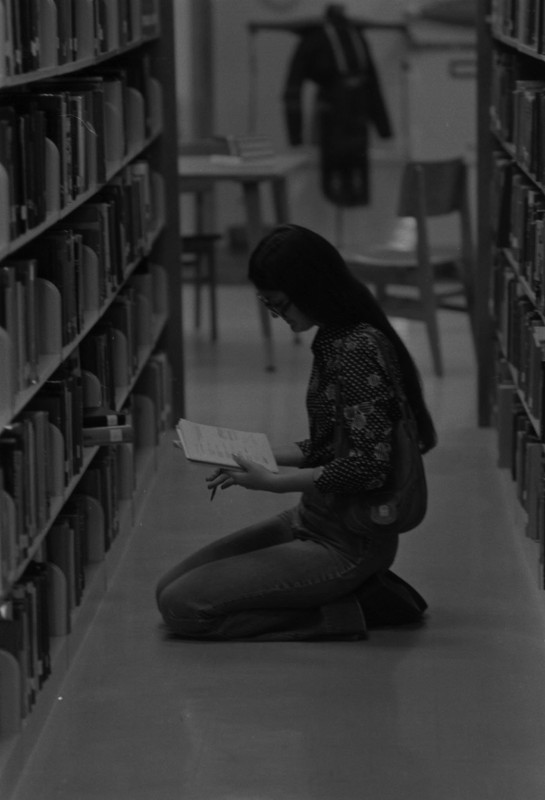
(215, 445)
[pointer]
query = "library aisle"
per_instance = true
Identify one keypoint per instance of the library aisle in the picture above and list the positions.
(452, 711)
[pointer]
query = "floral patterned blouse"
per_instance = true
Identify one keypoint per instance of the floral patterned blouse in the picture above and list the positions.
(370, 409)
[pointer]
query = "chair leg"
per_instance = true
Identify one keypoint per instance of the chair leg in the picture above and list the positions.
(430, 318)
(433, 334)
(212, 286)
(198, 291)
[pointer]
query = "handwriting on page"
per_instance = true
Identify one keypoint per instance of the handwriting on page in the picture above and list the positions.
(217, 445)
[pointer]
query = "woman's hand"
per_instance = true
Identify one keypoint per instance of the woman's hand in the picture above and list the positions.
(250, 476)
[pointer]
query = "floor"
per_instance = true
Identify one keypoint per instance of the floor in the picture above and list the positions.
(452, 711)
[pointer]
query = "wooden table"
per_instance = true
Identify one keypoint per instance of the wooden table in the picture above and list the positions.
(195, 171)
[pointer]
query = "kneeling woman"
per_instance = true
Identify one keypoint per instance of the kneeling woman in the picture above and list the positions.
(300, 575)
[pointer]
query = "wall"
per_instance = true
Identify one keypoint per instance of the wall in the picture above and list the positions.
(239, 80)
(184, 67)
(431, 114)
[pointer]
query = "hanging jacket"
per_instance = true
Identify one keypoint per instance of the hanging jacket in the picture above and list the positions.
(335, 56)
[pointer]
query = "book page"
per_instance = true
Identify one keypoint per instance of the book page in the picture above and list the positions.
(215, 445)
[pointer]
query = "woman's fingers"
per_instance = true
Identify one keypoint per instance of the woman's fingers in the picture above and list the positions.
(222, 478)
(229, 481)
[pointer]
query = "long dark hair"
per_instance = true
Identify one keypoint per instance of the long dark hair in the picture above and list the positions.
(314, 276)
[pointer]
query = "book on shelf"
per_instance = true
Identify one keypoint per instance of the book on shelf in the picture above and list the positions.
(83, 119)
(151, 401)
(85, 93)
(116, 196)
(41, 463)
(101, 416)
(213, 444)
(521, 20)
(30, 157)
(9, 320)
(64, 547)
(90, 222)
(34, 584)
(100, 482)
(506, 400)
(25, 458)
(14, 23)
(97, 359)
(115, 128)
(65, 50)
(150, 17)
(122, 316)
(9, 149)
(13, 641)
(15, 456)
(164, 376)
(92, 520)
(10, 156)
(125, 471)
(23, 596)
(28, 307)
(9, 551)
(520, 429)
(500, 197)
(97, 436)
(522, 330)
(58, 257)
(532, 491)
(143, 285)
(54, 105)
(62, 397)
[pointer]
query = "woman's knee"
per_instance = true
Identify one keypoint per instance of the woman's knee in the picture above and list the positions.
(184, 611)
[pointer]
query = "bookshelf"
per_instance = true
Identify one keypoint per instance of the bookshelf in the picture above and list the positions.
(511, 280)
(91, 360)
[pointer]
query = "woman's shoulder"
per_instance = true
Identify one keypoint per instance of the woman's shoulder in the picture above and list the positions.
(358, 342)
(365, 342)
(364, 336)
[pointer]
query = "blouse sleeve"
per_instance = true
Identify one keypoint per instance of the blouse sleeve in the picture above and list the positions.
(370, 410)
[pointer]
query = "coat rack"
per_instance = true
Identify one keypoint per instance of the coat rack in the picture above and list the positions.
(410, 43)
(300, 27)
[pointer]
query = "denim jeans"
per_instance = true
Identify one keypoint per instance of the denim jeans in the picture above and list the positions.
(277, 580)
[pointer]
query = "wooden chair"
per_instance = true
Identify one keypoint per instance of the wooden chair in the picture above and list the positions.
(198, 249)
(440, 276)
(198, 258)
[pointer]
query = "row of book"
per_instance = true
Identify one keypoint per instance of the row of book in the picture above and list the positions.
(518, 220)
(38, 34)
(66, 137)
(25, 641)
(518, 112)
(522, 336)
(523, 20)
(42, 450)
(520, 451)
(57, 286)
(115, 349)
(42, 601)
(529, 126)
(43, 456)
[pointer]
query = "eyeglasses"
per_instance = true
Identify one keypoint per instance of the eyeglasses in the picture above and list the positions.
(276, 310)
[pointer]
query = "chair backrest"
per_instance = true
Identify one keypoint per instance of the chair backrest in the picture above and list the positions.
(208, 146)
(433, 188)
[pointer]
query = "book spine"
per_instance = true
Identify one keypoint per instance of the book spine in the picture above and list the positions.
(108, 435)
(106, 419)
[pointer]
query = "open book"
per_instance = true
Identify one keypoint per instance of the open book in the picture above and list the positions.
(214, 445)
